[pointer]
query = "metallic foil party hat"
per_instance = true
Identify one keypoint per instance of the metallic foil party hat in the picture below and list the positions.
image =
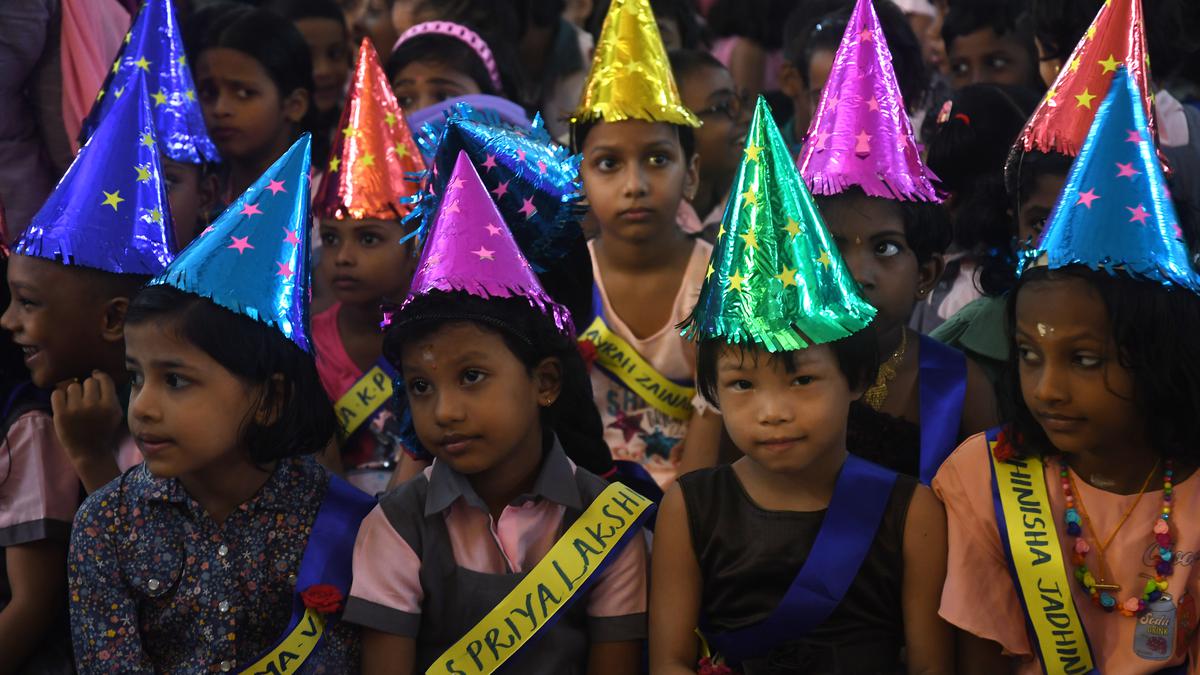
(154, 50)
(374, 164)
(776, 278)
(861, 135)
(470, 249)
(109, 212)
(630, 76)
(1114, 213)
(254, 258)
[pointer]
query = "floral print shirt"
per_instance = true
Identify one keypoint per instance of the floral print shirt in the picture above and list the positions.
(157, 585)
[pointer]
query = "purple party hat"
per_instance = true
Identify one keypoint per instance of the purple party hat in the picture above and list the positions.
(470, 249)
(861, 136)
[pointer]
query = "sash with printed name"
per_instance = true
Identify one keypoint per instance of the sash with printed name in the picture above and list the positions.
(366, 398)
(574, 562)
(619, 359)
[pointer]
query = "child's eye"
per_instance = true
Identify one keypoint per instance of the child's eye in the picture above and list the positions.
(606, 164)
(959, 67)
(135, 379)
(473, 376)
(26, 303)
(659, 160)
(803, 380)
(1088, 360)
(741, 385)
(176, 381)
(998, 62)
(887, 249)
(329, 239)
(1026, 354)
(405, 101)
(244, 93)
(418, 387)
(369, 240)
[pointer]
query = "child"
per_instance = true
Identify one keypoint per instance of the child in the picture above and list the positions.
(154, 50)
(254, 80)
(194, 560)
(638, 164)
(862, 161)
(706, 88)
(38, 496)
(492, 374)
(785, 347)
(360, 203)
(1099, 445)
(439, 60)
(991, 42)
(99, 236)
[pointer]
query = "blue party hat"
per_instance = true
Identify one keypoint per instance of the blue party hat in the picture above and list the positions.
(254, 258)
(1114, 212)
(154, 49)
(109, 211)
(533, 181)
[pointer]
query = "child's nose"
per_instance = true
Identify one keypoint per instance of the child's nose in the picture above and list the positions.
(1051, 385)
(636, 184)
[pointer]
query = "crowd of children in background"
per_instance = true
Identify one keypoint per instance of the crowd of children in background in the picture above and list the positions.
(556, 336)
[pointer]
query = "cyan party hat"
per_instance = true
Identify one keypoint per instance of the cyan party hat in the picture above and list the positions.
(776, 278)
(154, 49)
(109, 212)
(254, 259)
(1114, 212)
(533, 180)
(470, 249)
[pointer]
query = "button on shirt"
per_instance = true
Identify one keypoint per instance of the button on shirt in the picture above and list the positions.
(157, 585)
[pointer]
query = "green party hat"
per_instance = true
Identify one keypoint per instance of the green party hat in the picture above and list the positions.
(776, 278)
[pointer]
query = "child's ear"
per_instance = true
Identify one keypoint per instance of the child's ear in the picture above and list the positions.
(928, 274)
(547, 379)
(112, 321)
(295, 105)
(691, 180)
(271, 406)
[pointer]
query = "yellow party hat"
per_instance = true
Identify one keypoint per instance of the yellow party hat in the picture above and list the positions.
(631, 78)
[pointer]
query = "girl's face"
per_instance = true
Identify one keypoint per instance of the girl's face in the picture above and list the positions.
(421, 84)
(820, 64)
(869, 232)
(190, 194)
(364, 261)
(247, 116)
(1071, 378)
(330, 50)
(782, 420)
(186, 411)
(474, 404)
(984, 56)
(634, 176)
(1036, 209)
(710, 93)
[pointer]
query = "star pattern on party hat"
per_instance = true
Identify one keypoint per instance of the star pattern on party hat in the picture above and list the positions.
(630, 76)
(533, 180)
(373, 166)
(469, 250)
(1114, 212)
(776, 278)
(1062, 120)
(153, 49)
(254, 259)
(860, 135)
(109, 212)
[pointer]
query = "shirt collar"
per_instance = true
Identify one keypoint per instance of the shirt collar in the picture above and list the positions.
(555, 482)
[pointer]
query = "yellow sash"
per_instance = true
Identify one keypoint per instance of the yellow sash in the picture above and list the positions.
(626, 364)
(571, 562)
(1041, 574)
(357, 405)
(295, 648)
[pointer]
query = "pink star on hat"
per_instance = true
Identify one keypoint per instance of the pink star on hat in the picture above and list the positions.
(485, 254)
(1126, 170)
(492, 230)
(240, 243)
(285, 270)
(276, 186)
(455, 184)
(500, 190)
(528, 208)
(250, 210)
(489, 163)
(1139, 215)
(291, 237)
(1134, 136)
(1086, 198)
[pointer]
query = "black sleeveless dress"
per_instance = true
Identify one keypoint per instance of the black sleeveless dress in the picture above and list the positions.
(749, 556)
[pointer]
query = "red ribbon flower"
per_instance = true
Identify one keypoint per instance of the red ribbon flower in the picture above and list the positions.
(322, 598)
(713, 667)
(587, 349)
(1003, 450)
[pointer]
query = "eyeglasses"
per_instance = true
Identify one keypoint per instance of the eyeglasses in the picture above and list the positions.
(731, 107)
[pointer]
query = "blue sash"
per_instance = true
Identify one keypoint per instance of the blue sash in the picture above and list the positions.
(942, 377)
(329, 554)
(860, 497)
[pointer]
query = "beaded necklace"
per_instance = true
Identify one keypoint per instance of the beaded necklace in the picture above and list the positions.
(1162, 555)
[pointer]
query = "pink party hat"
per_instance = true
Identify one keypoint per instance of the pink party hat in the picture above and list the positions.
(471, 249)
(861, 135)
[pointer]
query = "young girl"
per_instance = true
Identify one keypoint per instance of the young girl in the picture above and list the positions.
(361, 202)
(439, 60)
(991, 42)
(1088, 492)
(493, 380)
(861, 160)
(638, 164)
(229, 544)
(797, 557)
(254, 81)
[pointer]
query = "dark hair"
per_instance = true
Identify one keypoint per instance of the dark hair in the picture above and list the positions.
(1155, 329)
(531, 336)
(804, 35)
(687, 137)
(857, 357)
(968, 152)
(454, 54)
(684, 62)
(755, 20)
(926, 224)
(692, 35)
(1004, 17)
(271, 40)
(253, 352)
(294, 10)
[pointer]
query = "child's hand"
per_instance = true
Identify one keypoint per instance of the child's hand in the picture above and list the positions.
(87, 418)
